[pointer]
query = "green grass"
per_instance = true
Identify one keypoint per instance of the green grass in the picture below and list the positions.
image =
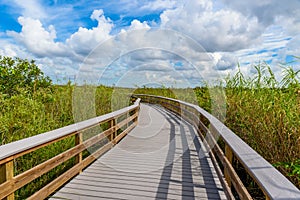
(264, 112)
(23, 115)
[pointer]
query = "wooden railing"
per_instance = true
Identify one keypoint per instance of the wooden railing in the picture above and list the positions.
(273, 184)
(121, 122)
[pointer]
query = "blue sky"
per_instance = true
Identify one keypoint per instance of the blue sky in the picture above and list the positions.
(156, 42)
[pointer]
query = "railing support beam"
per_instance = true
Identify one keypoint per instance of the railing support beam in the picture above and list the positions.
(6, 174)
(78, 141)
(113, 135)
(229, 156)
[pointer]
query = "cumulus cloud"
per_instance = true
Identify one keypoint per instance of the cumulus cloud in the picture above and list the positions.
(42, 42)
(244, 29)
(266, 11)
(224, 61)
(168, 54)
(37, 39)
(136, 24)
(12, 50)
(221, 30)
(31, 9)
(84, 40)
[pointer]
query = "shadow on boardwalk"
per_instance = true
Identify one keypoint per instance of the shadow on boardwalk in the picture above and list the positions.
(187, 182)
(161, 158)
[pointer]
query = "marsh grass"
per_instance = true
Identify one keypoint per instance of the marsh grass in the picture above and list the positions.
(264, 112)
(23, 115)
(261, 110)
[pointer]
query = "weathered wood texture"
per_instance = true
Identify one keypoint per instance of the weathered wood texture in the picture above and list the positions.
(269, 179)
(161, 158)
(10, 183)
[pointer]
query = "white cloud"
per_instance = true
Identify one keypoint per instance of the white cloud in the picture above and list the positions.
(267, 10)
(154, 52)
(84, 40)
(136, 24)
(159, 5)
(293, 46)
(221, 30)
(290, 28)
(8, 49)
(224, 61)
(244, 31)
(31, 8)
(41, 41)
(37, 39)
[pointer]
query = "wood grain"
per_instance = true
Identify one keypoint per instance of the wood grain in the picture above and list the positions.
(9, 183)
(158, 159)
(268, 178)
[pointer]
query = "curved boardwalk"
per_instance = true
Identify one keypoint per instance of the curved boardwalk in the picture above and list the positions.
(162, 158)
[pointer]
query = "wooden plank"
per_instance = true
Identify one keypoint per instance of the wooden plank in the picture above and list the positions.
(78, 141)
(229, 156)
(124, 133)
(175, 173)
(231, 174)
(15, 156)
(103, 180)
(114, 133)
(136, 190)
(7, 174)
(28, 176)
(80, 195)
(18, 148)
(269, 179)
(58, 182)
(229, 171)
(125, 121)
(148, 178)
(226, 187)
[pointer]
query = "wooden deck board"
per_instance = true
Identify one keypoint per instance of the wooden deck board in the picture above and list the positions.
(162, 158)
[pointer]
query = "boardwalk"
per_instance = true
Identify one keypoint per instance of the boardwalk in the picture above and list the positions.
(151, 154)
(162, 158)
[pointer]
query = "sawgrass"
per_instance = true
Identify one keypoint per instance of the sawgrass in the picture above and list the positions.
(264, 112)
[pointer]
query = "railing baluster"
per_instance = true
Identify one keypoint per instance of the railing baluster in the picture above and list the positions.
(10, 183)
(127, 116)
(78, 141)
(6, 174)
(136, 119)
(113, 135)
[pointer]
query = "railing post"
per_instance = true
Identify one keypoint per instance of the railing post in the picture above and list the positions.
(127, 116)
(183, 111)
(113, 135)
(78, 141)
(6, 174)
(229, 156)
(137, 115)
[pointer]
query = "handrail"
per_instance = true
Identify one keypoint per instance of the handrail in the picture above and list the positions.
(10, 183)
(269, 179)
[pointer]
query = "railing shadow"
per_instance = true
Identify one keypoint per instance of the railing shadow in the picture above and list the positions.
(187, 181)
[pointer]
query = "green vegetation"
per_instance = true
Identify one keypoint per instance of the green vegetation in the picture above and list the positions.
(264, 112)
(19, 76)
(261, 110)
(30, 105)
